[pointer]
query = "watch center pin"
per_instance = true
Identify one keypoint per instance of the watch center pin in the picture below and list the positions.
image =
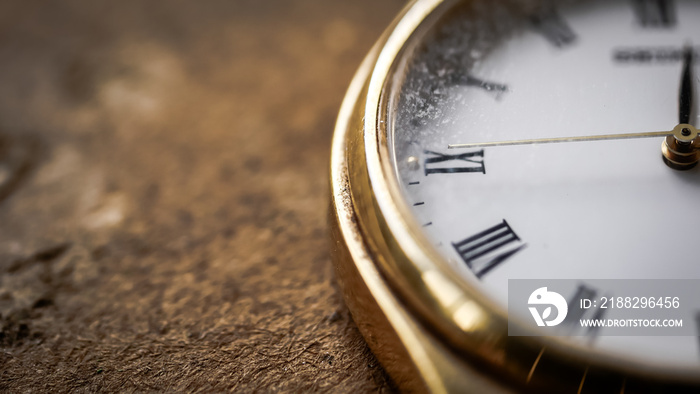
(681, 150)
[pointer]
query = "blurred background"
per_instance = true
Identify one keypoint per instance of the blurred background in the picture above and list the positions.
(164, 190)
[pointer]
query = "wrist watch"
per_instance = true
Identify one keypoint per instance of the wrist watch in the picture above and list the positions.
(486, 141)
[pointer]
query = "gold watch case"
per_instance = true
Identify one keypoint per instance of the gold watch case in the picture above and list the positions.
(430, 330)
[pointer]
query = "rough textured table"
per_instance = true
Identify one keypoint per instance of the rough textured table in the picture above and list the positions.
(163, 195)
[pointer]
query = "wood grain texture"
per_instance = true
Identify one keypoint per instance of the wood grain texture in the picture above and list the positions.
(163, 169)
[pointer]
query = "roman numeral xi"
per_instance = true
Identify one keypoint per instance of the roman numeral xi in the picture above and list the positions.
(484, 251)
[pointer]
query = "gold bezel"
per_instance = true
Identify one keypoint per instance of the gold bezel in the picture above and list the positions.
(387, 267)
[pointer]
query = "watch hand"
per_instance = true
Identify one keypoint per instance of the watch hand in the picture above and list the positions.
(685, 99)
(562, 139)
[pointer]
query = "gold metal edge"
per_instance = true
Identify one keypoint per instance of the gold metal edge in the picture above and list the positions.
(415, 359)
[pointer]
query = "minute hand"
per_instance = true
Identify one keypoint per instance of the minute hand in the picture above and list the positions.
(562, 139)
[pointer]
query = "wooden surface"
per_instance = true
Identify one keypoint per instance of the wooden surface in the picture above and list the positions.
(163, 195)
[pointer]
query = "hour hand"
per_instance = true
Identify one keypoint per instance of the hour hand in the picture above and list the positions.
(685, 98)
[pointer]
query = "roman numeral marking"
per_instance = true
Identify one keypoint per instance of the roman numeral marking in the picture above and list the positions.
(468, 80)
(655, 13)
(486, 250)
(475, 160)
(553, 28)
(651, 55)
(576, 312)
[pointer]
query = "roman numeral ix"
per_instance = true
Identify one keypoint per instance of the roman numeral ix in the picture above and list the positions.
(474, 160)
(486, 250)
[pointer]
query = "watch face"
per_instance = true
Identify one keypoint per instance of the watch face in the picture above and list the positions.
(592, 209)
